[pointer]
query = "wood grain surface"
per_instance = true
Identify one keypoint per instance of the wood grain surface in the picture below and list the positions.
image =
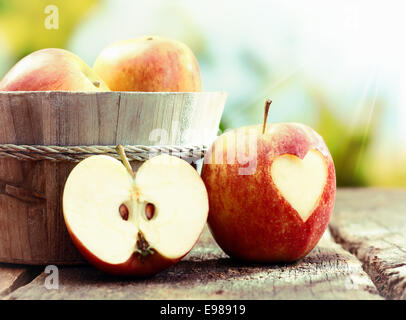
(15, 276)
(329, 272)
(371, 223)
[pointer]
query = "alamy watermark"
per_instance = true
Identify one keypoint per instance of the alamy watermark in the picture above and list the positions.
(52, 280)
(51, 21)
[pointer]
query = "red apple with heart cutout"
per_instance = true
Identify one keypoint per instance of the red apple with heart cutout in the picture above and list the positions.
(134, 224)
(276, 208)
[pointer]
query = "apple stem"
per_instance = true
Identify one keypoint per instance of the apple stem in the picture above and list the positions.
(124, 159)
(267, 105)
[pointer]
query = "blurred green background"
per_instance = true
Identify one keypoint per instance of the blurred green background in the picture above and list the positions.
(336, 66)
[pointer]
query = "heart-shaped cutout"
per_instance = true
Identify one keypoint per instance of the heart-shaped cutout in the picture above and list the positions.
(300, 182)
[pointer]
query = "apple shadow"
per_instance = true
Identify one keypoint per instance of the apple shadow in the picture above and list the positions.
(186, 270)
(204, 270)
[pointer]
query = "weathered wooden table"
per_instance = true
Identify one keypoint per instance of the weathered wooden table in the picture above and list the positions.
(361, 256)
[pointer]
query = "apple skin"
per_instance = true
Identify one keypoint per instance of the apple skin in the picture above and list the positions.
(247, 216)
(149, 63)
(52, 70)
(134, 266)
(150, 266)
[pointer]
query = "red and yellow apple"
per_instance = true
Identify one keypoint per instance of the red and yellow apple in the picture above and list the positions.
(126, 224)
(274, 204)
(52, 70)
(149, 63)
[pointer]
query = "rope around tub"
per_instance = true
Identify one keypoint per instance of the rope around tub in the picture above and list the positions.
(78, 153)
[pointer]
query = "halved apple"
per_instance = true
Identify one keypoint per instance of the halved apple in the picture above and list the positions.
(134, 225)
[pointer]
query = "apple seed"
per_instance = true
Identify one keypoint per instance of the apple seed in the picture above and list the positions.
(149, 211)
(123, 211)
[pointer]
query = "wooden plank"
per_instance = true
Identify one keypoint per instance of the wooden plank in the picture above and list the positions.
(14, 276)
(329, 272)
(371, 223)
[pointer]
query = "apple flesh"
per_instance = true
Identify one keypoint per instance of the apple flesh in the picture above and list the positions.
(52, 70)
(280, 211)
(149, 63)
(134, 226)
